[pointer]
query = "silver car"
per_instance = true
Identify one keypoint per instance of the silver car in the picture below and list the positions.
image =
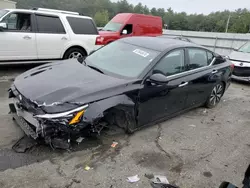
(241, 60)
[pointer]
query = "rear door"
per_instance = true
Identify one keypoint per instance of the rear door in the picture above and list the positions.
(51, 36)
(202, 75)
(18, 39)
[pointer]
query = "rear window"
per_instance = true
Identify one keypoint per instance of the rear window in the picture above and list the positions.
(82, 26)
(49, 24)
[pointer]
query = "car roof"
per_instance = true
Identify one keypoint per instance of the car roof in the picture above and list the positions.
(158, 43)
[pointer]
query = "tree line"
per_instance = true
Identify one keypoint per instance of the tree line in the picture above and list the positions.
(102, 11)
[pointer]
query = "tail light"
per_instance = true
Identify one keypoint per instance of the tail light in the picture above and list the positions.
(99, 40)
(232, 67)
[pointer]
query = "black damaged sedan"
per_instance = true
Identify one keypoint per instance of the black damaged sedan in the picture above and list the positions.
(131, 83)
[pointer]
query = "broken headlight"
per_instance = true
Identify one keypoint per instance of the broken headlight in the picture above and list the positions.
(71, 117)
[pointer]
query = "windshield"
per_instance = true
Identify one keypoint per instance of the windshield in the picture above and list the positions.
(245, 48)
(112, 26)
(2, 13)
(122, 59)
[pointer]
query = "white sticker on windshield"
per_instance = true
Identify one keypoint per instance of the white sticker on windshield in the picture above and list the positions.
(141, 53)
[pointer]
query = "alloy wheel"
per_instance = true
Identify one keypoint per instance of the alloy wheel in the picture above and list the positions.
(216, 94)
(75, 55)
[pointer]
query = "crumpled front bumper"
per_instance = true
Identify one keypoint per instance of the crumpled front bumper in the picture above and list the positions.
(25, 126)
(55, 134)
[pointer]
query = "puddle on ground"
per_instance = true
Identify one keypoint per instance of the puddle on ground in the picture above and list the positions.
(9, 159)
(158, 160)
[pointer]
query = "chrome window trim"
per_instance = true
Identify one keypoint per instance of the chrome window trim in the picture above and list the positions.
(191, 71)
(194, 70)
(182, 73)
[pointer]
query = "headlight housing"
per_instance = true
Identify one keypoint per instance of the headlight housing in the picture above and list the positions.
(71, 117)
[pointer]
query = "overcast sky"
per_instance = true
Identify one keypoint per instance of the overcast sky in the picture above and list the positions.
(195, 6)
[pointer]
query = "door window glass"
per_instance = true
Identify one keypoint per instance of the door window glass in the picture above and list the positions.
(82, 26)
(18, 22)
(171, 64)
(210, 58)
(128, 28)
(49, 24)
(197, 58)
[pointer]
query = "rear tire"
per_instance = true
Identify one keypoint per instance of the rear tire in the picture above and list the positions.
(215, 96)
(74, 53)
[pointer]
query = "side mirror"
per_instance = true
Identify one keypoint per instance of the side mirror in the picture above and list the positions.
(3, 26)
(93, 51)
(124, 32)
(235, 49)
(81, 59)
(158, 79)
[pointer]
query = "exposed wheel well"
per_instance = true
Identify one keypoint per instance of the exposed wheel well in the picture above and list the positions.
(224, 84)
(79, 47)
(122, 117)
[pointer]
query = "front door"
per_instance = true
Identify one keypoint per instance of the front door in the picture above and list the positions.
(162, 100)
(18, 39)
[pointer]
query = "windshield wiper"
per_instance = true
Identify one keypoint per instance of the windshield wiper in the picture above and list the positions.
(95, 68)
(242, 51)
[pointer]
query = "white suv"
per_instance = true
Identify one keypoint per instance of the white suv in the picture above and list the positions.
(45, 34)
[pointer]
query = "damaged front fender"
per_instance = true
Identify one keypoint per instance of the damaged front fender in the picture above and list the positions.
(96, 110)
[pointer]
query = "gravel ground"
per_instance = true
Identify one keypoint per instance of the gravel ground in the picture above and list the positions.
(198, 149)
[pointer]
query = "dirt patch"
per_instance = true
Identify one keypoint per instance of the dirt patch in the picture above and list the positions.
(207, 174)
(177, 168)
(157, 160)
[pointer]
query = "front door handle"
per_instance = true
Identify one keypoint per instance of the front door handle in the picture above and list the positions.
(214, 71)
(27, 37)
(183, 84)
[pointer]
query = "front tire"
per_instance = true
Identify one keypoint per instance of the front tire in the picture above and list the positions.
(215, 96)
(74, 53)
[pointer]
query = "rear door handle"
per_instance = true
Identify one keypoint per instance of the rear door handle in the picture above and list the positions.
(183, 84)
(214, 71)
(27, 37)
(64, 38)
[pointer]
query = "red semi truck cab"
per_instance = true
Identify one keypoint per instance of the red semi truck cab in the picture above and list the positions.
(129, 24)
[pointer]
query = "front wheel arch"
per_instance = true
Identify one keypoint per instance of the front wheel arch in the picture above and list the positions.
(74, 47)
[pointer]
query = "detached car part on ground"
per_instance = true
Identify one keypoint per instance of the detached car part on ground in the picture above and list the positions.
(241, 60)
(131, 83)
